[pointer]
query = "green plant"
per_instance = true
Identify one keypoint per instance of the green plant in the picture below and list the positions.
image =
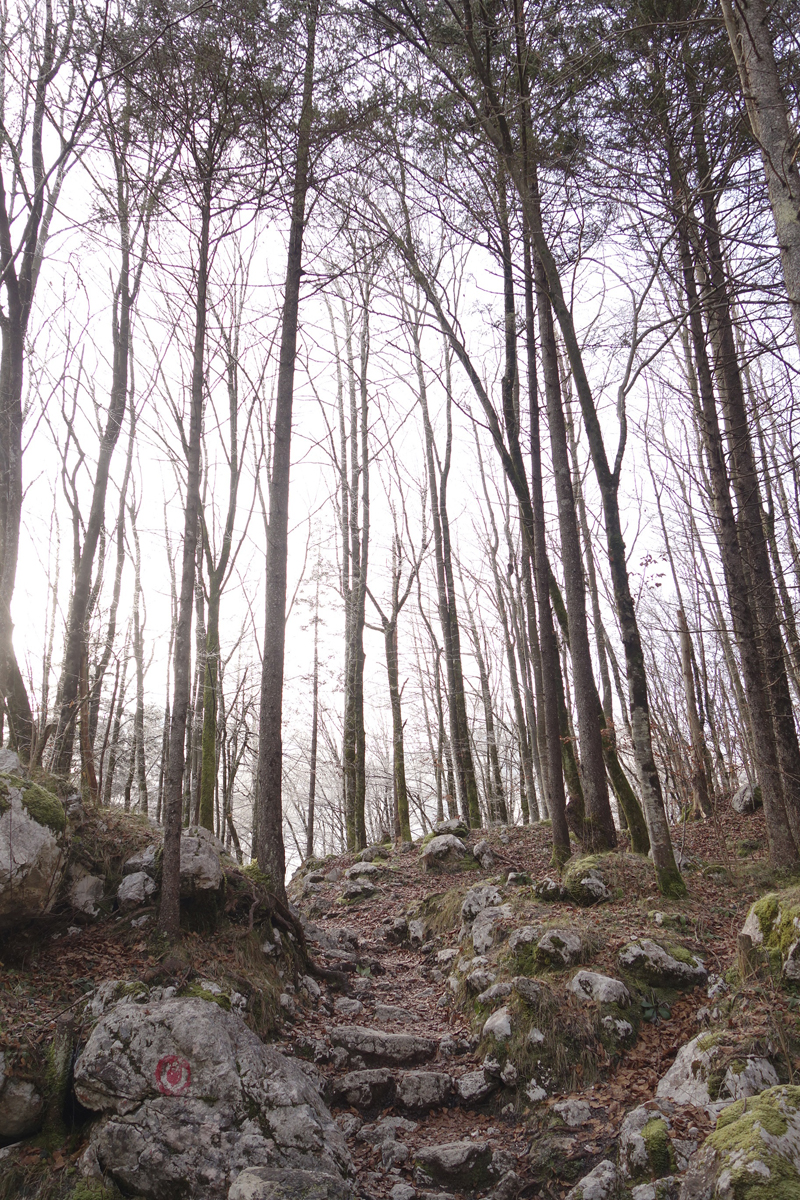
(654, 1009)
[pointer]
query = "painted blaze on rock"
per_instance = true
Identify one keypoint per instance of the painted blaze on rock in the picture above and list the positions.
(190, 1097)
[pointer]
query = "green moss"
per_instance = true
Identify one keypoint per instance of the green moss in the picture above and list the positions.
(659, 1148)
(747, 1128)
(766, 912)
(196, 992)
(708, 1041)
(43, 807)
(258, 877)
(93, 1189)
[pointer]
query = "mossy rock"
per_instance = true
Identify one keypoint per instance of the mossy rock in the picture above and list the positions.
(584, 880)
(41, 806)
(660, 1154)
(774, 923)
(755, 1146)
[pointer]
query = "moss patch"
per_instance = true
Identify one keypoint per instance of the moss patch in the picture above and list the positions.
(747, 1129)
(41, 806)
(659, 1148)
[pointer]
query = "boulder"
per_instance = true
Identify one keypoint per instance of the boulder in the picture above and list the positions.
(754, 1152)
(271, 1183)
(746, 799)
(662, 966)
(21, 1105)
(602, 989)
(201, 865)
(142, 860)
(421, 1090)
(378, 1048)
(395, 929)
(574, 1113)
(453, 825)
(659, 1189)
(498, 991)
(416, 931)
(645, 1146)
(560, 947)
(475, 1086)
(524, 936)
(32, 850)
(445, 958)
(464, 1164)
(135, 890)
(393, 1012)
(482, 851)
(9, 761)
(191, 1097)
(362, 870)
(550, 889)
(85, 891)
(703, 1074)
(774, 922)
(365, 1089)
(620, 1030)
(529, 990)
(498, 1025)
(348, 1006)
(477, 899)
(584, 882)
(484, 933)
(360, 889)
(445, 848)
(480, 979)
(600, 1184)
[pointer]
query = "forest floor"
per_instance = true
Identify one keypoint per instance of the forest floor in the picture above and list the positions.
(725, 868)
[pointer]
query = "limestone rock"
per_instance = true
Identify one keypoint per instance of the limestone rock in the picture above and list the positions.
(362, 870)
(85, 892)
(754, 1152)
(365, 1089)
(483, 852)
(600, 1184)
(700, 1075)
(525, 935)
(191, 1097)
(621, 1030)
(393, 1012)
(774, 921)
(550, 889)
(477, 899)
(560, 947)
(421, 1090)
(446, 958)
(270, 1183)
(142, 860)
(746, 799)
(395, 929)
(659, 1189)
(464, 1164)
(475, 1086)
(32, 850)
(445, 848)
(498, 991)
(416, 931)
(530, 990)
(9, 761)
(201, 866)
(498, 1025)
(660, 966)
(348, 1006)
(645, 1147)
(574, 1113)
(584, 883)
(480, 979)
(135, 890)
(602, 989)
(453, 825)
(378, 1048)
(21, 1105)
(484, 933)
(360, 889)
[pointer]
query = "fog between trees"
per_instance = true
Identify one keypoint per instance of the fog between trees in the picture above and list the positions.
(467, 337)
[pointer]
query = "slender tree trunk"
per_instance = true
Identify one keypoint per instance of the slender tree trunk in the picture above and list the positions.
(752, 42)
(169, 912)
(270, 850)
(312, 766)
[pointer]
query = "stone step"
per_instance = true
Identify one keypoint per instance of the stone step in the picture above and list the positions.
(377, 1048)
(413, 1091)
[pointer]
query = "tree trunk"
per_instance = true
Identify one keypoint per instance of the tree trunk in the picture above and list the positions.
(747, 22)
(270, 848)
(169, 912)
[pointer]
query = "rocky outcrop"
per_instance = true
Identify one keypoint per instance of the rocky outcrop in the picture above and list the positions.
(443, 849)
(32, 850)
(190, 1097)
(269, 1183)
(754, 1152)
(774, 923)
(704, 1073)
(135, 890)
(21, 1105)
(560, 948)
(746, 799)
(377, 1048)
(464, 1164)
(602, 1183)
(602, 989)
(662, 966)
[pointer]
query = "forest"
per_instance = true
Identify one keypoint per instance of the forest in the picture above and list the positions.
(398, 417)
